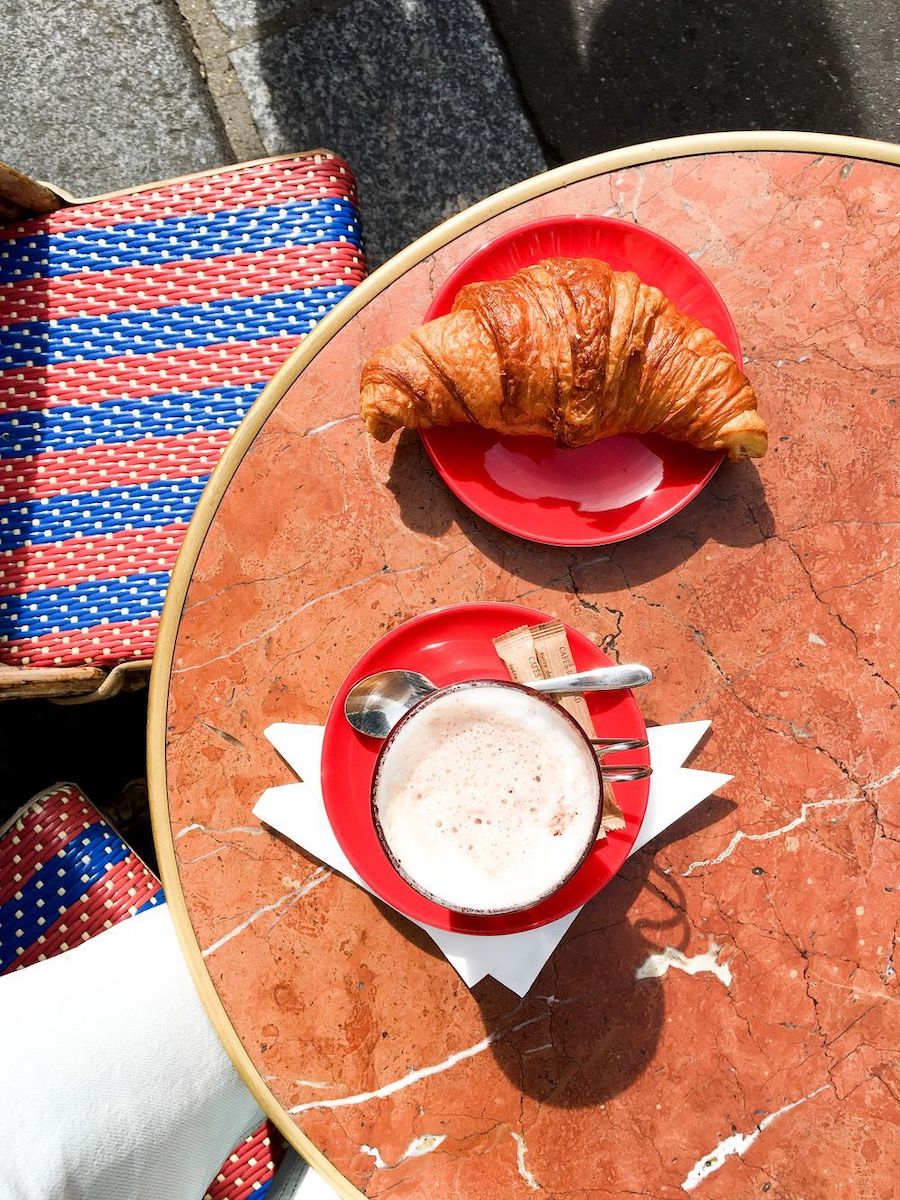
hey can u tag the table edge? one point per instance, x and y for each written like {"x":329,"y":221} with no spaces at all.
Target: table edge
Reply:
{"x":761,"y":141}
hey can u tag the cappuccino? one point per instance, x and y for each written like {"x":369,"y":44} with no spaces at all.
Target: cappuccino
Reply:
{"x":487,"y":797}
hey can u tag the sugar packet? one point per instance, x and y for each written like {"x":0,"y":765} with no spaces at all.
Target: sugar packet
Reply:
{"x":541,"y":652}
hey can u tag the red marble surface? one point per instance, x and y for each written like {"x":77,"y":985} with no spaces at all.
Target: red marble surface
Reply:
{"x":769,"y":605}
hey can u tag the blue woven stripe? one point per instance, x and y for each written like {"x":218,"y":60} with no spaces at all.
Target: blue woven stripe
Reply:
{"x":174,"y":239}
{"x":154,"y":902}
{"x":91,"y":853}
{"x":111,"y":335}
{"x":263,"y":1189}
{"x":78,"y":426}
{"x":81,"y":605}
{"x":107,"y":510}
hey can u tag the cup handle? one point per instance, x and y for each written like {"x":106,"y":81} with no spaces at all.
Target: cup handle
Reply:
{"x":626,"y":774}
{"x":616,"y":745}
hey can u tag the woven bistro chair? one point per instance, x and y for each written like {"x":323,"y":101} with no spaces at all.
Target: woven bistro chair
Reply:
{"x":136,"y":329}
{"x":65,"y":877}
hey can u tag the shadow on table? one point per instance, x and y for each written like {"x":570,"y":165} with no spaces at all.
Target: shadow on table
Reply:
{"x":732,"y":509}
{"x":588,"y":1026}
{"x":602,"y":1023}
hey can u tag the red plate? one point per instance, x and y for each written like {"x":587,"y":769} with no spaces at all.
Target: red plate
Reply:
{"x":450,"y":645}
{"x":615,"y":488}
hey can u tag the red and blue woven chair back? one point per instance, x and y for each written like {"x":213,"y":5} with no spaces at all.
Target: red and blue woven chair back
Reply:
{"x":66,"y":876}
{"x":135,"y":332}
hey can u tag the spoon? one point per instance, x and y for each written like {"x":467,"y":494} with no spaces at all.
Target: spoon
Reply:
{"x":375,"y":704}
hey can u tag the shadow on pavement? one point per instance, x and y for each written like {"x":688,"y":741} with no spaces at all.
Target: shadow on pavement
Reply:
{"x":620,"y":72}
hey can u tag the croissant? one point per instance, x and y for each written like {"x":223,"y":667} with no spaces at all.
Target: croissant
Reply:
{"x":568,"y":349}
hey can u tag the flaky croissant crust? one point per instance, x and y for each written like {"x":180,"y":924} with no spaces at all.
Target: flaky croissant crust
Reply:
{"x":568,"y":349}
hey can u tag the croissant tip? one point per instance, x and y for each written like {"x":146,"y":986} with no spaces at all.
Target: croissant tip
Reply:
{"x":381,"y":431}
{"x":750,"y":445}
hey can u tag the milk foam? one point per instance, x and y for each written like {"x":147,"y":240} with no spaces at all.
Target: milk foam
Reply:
{"x":487,"y":798}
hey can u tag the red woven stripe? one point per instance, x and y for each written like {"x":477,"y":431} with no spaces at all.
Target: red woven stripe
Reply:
{"x":41,"y":846}
{"x":180,"y":457}
{"x":301,"y":178}
{"x":112,"y":899}
{"x":167,"y":284}
{"x":80,"y":558}
{"x":40,"y":834}
{"x":143,"y":374}
{"x":266,"y":1147}
{"x":99,"y":645}
{"x":239,"y":1177}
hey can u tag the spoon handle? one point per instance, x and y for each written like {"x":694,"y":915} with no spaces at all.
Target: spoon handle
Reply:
{"x":602,"y":679}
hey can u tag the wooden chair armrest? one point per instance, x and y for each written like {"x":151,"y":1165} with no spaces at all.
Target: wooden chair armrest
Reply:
{"x":21,"y":196}
{"x":71,"y":685}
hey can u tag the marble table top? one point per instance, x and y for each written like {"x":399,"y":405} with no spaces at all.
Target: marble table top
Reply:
{"x":723,"y":1018}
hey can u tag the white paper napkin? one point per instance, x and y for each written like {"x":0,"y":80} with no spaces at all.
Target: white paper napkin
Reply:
{"x":297,"y":810}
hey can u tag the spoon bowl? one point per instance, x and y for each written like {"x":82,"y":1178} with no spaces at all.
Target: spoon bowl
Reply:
{"x":375,"y":704}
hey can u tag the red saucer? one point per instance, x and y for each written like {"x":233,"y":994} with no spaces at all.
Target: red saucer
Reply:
{"x":615,"y":488}
{"x":449,"y":645}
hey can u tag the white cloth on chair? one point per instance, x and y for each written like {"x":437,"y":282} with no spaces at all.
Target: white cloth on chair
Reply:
{"x":297,"y":1181}
{"x":113,"y":1082}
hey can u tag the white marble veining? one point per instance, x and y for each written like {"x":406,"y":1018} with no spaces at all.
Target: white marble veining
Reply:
{"x":412,"y":1077}
{"x":657,"y":964}
{"x":295,"y":894}
{"x":520,"y":1162}
{"x":424,"y":1144}
{"x":738,"y":1143}
{"x":805,"y":809}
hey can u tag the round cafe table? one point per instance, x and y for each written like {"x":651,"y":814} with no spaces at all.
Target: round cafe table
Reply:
{"x":723,"y":1017}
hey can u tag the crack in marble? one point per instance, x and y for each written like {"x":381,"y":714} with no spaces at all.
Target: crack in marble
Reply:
{"x":837,"y":587}
{"x":295,"y":651}
{"x":223,"y":734}
{"x":808,"y":984}
{"x":639,"y":199}
{"x":840,"y":1033}
{"x":253,"y":830}
{"x":793,"y":733}
{"x":196,"y":605}
{"x":857,"y":991}
{"x":348,"y":587}
{"x":697,"y":634}
{"x":807,"y":807}
{"x":889,"y":972}
{"x":295,"y":894}
{"x":829,"y":521}
{"x":818,"y":596}
{"x":411,"y":1077}
{"x":657,"y":964}
{"x":833,"y":612}
{"x":208,"y":854}
{"x":739,"y":1143}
